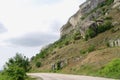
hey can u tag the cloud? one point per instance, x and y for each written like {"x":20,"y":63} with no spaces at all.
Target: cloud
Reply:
{"x":33,"y":39}
{"x":2,"y":28}
{"x":45,"y":1}
{"x":32,"y":24}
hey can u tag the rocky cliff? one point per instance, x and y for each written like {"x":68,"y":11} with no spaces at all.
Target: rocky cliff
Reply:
{"x":76,"y":21}
{"x":74,"y":53}
{"x":116,"y":3}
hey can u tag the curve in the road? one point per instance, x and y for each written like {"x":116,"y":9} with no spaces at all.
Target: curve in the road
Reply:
{"x":54,"y":76}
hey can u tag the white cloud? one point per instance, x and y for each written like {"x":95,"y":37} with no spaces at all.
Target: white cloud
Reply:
{"x":33,"y":39}
{"x":22,"y":17}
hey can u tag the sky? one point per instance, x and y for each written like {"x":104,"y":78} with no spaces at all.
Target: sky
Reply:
{"x":28,"y":25}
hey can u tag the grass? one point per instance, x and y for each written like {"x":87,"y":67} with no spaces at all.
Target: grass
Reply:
{"x":112,"y":69}
{"x":99,"y":55}
{"x":3,"y":77}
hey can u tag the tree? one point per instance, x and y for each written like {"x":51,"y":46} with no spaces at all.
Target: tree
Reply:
{"x":14,"y":72}
{"x":20,"y":61}
{"x":16,"y":68}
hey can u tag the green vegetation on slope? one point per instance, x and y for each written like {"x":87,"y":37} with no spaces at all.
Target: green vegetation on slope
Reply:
{"x":86,"y":57}
{"x":112,"y":69}
{"x":90,"y":33}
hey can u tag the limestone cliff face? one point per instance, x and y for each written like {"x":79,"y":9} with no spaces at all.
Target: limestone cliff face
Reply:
{"x":75,"y":22}
{"x":114,"y":43}
{"x":116,"y":3}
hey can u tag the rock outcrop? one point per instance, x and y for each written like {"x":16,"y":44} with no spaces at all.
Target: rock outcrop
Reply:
{"x":59,"y":65}
{"x":114,"y":43}
{"x":116,"y":3}
{"x":76,"y":22}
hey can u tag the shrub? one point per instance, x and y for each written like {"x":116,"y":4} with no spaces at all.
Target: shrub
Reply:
{"x":14,"y":72}
{"x":115,"y":30}
{"x":66,"y":42}
{"x":20,"y":61}
{"x":109,"y":2}
{"x":16,"y":68}
{"x":43,"y":53}
{"x":91,"y":48}
{"x":77,"y":35}
{"x":106,"y":26}
{"x":90,"y":33}
{"x":38,"y":64}
{"x":82,"y":51}
{"x":58,"y":65}
{"x":108,"y":18}
{"x":112,"y":69}
{"x":32,"y":58}
{"x":83,"y":17}
{"x":107,"y":44}
{"x":86,"y":37}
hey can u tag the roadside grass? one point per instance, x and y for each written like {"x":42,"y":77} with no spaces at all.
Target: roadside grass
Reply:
{"x":3,"y":77}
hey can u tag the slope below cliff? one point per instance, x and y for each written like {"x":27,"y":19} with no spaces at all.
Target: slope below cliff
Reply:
{"x":89,"y":43}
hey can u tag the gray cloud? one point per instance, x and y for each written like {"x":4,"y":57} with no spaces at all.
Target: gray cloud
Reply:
{"x":33,"y":39}
{"x":2,"y":28}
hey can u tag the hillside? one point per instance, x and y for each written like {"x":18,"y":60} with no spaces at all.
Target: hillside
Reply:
{"x":89,"y":43}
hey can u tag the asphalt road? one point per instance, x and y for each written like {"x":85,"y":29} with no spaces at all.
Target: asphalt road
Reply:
{"x":54,"y":76}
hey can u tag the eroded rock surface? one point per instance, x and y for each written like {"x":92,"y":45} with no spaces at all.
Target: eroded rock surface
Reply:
{"x":75,"y":22}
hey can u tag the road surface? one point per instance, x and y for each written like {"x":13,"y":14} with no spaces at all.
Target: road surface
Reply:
{"x":54,"y":76}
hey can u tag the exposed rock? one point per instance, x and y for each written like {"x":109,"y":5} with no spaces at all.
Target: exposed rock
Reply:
{"x":58,"y":65}
{"x":75,"y":21}
{"x":77,"y":59}
{"x":53,"y":67}
{"x":89,"y":5}
{"x":89,"y":24}
{"x":114,"y":43}
{"x":67,"y":28}
{"x":115,"y":23}
{"x":116,"y":3}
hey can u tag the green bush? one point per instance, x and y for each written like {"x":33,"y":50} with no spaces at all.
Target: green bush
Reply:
{"x":38,"y":64}
{"x":82,"y":51}
{"x":43,"y":53}
{"x":109,"y":2}
{"x":59,"y":65}
{"x":76,"y":37}
{"x":112,"y":69}
{"x":91,"y":48}
{"x":14,"y":72}
{"x":66,"y":42}
{"x":20,"y":61}
{"x":90,"y":33}
{"x":16,"y":68}
{"x":108,"y":18}
{"x":107,"y":44}
{"x":106,"y":26}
